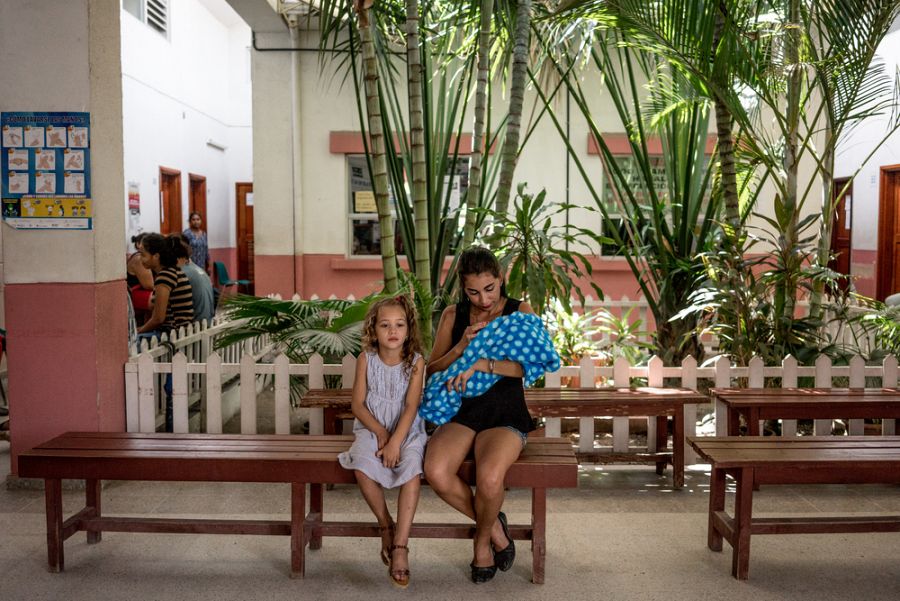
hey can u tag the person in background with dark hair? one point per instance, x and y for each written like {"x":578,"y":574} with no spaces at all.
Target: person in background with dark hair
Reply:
{"x":494,"y":425}
{"x":201,"y":285}
{"x":196,"y":237}
{"x":139,"y":280}
{"x":173,"y":304}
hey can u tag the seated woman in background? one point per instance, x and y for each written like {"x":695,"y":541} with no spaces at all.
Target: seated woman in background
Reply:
{"x":173,"y":304}
{"x":139,"y":280}
{"x":201,"y":285}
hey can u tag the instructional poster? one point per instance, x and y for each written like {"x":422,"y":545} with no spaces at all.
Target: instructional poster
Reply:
{"x":46,"y":170}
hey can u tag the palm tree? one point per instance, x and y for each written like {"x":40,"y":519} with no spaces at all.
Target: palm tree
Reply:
{"x":376,"y":136}
{"x":473,"y":194}
{"x":516,"y":101}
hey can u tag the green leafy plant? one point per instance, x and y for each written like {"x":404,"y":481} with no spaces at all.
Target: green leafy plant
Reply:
{"x":536,"y":255}
{"x":299,"y":329}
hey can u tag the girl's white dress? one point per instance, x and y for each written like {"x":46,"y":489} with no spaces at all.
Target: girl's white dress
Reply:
{"x":385,"y":399}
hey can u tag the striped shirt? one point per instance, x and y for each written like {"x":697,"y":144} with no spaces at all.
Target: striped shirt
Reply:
{"x":180,"y":309}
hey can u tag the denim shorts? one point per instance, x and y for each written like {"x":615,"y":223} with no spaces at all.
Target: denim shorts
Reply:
{"x":521,"y":434}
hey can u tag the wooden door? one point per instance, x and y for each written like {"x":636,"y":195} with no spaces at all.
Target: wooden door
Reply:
{"x":169,"y":201}
{"x":889,"y":233}
{"x":244,"y":197}
{"x":197,"y":196}
{"x":841,"y":229}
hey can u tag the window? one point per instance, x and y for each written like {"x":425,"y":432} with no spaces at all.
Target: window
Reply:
{"x":155,"y":13}
{"x":365,"y":233}
{"x":631,"y":170}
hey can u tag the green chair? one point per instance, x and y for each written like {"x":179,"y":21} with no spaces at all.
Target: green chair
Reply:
{"x":224,"y":280}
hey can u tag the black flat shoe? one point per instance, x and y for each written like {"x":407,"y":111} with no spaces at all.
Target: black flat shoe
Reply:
{"x":505,"y":558}
{"x":482,"y":574}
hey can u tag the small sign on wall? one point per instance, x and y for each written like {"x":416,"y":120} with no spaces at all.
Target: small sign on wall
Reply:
{"x":46,"y":170}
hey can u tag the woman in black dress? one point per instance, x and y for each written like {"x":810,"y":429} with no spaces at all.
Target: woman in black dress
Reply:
{"x":495,"y":424}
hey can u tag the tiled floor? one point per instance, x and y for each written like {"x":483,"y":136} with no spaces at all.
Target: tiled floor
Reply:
{"x":623,"y":534}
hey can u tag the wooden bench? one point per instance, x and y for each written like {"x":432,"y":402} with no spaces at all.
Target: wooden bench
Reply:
{"x":298,"y":460}
{"x":756,"y":404}
{"x":801,"y":460}
{"x":661,"y":403}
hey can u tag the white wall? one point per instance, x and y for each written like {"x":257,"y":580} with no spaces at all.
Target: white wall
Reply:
{"x":854,"y":149}
{"x":181,"y":92}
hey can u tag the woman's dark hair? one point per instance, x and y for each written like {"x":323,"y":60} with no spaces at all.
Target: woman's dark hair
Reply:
{"x":138,"y":238}
{"x":183,"y":248}
{"x":197,"y":213}
{"x":475,"y":260}
{"x":167,"y":247}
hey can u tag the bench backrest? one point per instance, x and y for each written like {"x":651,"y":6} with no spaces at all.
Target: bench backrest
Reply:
{"x":545,"y":462}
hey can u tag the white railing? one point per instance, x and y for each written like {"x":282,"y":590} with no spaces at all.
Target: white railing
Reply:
{"x":193,"y":344}
{"x":143,"y":392}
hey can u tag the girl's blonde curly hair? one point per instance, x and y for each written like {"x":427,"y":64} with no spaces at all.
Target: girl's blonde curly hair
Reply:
{"x":411,"y":345}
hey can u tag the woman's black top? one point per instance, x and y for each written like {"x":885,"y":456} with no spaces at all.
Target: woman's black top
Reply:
{"x":503,"y":405}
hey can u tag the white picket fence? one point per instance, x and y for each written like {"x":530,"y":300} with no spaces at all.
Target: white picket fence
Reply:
{"x":143,"y":376}
{"x":147,"y":366}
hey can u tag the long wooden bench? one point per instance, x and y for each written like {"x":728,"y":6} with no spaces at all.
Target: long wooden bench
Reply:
{"x":660,"y":403}
{"x":298,"y":460}
{"x":802,"y":460}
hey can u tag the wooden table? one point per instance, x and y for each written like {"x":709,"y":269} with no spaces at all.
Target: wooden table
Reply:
{"x":794,"y":460}
{"x":661,"y":403}
{"x":756,"y":404}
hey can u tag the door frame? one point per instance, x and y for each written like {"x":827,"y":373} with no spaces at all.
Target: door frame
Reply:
{"x":886,"y":216}
{"x":238,"y":224}
{"x":167,"y":171}
{"x":192,"y":205}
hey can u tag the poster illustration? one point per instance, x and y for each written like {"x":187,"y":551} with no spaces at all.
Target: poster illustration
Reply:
{"x":45,"y":170}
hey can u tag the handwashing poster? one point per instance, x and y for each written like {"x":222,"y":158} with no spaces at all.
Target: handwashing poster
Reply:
{"x":45,"y":162}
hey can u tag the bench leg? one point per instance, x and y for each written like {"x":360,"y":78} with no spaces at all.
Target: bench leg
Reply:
{"x":316,"y":505}
{"x":662,"y":439}
{"x":92,"y":502}
{"x":678,"y":448}
{"x":538,"y":533}
{"x":743,"y":511}
{"x":53,"y":499}
{"x":298,"y":529}
{"x":733,"y":421}
{"x":716,"y":503}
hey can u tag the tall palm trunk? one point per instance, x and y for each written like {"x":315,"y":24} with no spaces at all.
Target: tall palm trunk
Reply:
{"x":786,"y":297}
{"x":376,"y":136}
{"x":725,"y":141}
{"x":473,"y":194}
{"x":516,"y":101}
{"x":417,"y":144}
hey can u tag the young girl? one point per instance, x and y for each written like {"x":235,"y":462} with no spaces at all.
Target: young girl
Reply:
{"x":390,"y":435}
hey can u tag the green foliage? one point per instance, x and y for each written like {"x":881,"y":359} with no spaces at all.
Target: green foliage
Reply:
{"x":536,"y":255}
{"x":598,"y":332}
{"x":748,"y":318}
{"x":883,"y":322}
{"x":299,"y":329}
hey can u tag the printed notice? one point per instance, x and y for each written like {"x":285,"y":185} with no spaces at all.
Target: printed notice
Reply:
{"x":46,"y":170}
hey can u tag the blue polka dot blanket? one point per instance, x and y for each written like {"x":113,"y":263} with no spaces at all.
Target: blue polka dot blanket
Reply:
{"x":518,"y":337}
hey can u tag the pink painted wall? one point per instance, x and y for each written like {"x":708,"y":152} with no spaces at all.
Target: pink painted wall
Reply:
{"x":327,"y":274}
{"x":227,"y":256}
{"x":65,"y":360}
{"x":863,"y":266}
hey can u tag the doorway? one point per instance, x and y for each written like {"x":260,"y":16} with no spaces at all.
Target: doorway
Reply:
{"x":169,"y":201}
{"x":841,"y":229}
{"x":197,"y":196}
{"x":243,"y":192}
{"x":889,"y":233}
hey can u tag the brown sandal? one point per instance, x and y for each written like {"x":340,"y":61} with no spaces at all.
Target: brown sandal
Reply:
{"x":400,"y":577}
{"x":386,"y":549}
